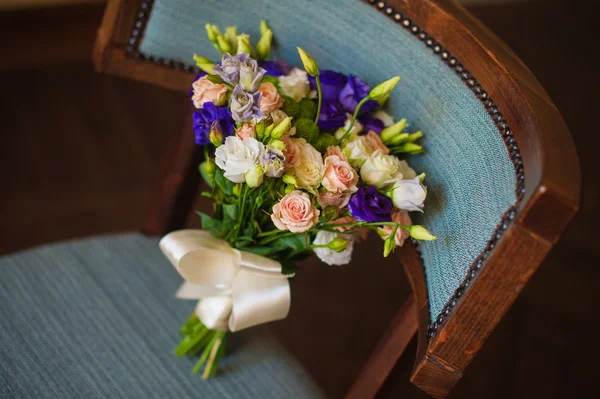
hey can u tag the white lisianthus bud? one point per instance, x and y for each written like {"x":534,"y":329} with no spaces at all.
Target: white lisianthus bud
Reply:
{"x":330,"y":256}
{"x":421,"y":233}
{"x":236,"y":157}
{"x":310,"y":66}
{"x":379,"y":169}
{"x":254,"y":177}
{"x":295,"y":84}
{"x":409,"y":195}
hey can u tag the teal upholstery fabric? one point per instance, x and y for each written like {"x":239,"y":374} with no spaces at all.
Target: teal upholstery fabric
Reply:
{"x":98,"y":318}
{"x":470,"y":177}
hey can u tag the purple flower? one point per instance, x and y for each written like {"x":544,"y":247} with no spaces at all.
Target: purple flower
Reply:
{"x":371,"y":123}
{"x":245,"y":106}
{"x":368,"y":205}
{"x":332,"y":116}
{"x":277,"y":67}
{"x":273,"y":162}
{"x":354,"y":91}
{"x":229,"y":68}
{"x":332,"y":84}
{"x":219,"y":118}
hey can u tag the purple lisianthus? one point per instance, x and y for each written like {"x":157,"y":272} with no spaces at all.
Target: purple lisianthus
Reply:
{"x":277,"y":67}
{"x":332,"y":84}
{"x":353,"y":92}
{"x":229,"y":68}
{"x":273,"y":162}
{"x":332,"y":117}
{"x":219,"y":118}
{"x":245,"y":106}
{"x":370,"y":123}
{"x":368,"y":205}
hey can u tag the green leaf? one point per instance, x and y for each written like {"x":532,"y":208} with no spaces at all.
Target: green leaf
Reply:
{"x":231,"y":211}
{"x":288,"y":266}
{"x":224,"y":184}
{"x":204,"y":175}
{"x":212,"y":225}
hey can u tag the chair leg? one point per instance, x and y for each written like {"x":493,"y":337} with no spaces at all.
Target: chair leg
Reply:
{"x":387,"y":352}
{"x":176,"y":187}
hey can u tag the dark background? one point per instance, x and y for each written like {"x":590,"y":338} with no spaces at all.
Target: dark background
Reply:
{"x":79,"y":153}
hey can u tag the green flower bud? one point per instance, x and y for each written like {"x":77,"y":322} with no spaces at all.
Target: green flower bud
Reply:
{"x":201,"y":60}
{"x":263,"y":47}
{"x":237,"y":188}
{"x":216,"y":79}
{"x":278,"y":144}
{"x":289,"y":179}
{"x":263,"y":27}
{"x":243,"y":44}
{"x":223,"y":44}
{"x":213,"y":32}
{"x":260,"y":130}
{"x":255,"y":176}
{"x":414,"y":137}
{"x":383,"y":89}
{"x":310,"y":66}
{"x":288,"y":189}
{"x":410,"y":148}
{"x":389,"y":245}
{"x":231,"y":37}
{"x":268,"y":131}
{"x":392,"y":131}
{"x":422,"y":177}
{"x":338,"y":244}
{"x":420,"y":233}
{"x":281,"y":128}
{"x":399,"y":139}
{"x":210,"y":167}
{"x":215,"y":137}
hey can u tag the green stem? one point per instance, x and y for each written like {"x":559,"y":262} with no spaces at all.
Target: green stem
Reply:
{"x":320,"y":98}
{"x":354,"y":116}
{"x":269,"y":233}
{"x":214,"y":350}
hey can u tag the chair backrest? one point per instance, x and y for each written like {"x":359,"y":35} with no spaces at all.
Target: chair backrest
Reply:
{"x":503,"y":173}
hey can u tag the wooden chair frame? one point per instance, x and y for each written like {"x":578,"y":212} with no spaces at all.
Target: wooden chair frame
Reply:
{"x":546,"y":162}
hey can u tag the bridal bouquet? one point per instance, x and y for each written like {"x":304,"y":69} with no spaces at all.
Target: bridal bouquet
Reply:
{"x":298,"y":162}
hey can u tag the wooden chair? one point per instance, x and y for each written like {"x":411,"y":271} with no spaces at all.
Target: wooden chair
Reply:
{"x":452,"y":318}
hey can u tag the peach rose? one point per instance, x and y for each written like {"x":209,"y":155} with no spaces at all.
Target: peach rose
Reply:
{"x":291,"y":153}
{"x":401,"y":217}
{"x":271,"y":100}
{"x":360,"y":233}
{"x":338,"y":200}
{"x":246,"y":130}
{"x":375,"y":142}
{"x":295,"y":213}
{"x":339,"y":176}
{"x":337,"y":151}
{"x":206,"y":91}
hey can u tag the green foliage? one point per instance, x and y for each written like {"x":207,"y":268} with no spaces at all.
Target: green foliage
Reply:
{"x":223,"y":183}
{"x":290,"y":107}
{"x":271,"y":79}
{"x":307,"y":129}
{"x":205,"y":176}
{"x":213,"y":225}
{"x":308,"y":109}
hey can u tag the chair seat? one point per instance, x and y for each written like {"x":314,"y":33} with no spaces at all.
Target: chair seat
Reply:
{"x":98,"y":318}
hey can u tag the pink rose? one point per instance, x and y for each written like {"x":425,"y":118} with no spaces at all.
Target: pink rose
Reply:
{"x":207,"y":91}
{"x":338,"y":200}
{"x":246,"y":130}
{"x":271,"y":100}
{"x":339,"y":176}
{"x":291,"y":153}
{"x":401,"y":217}
{"x":337,"y":151}
{"x":375,"y":142}
{"x":360,"y":233}
{"x":295,"y":212}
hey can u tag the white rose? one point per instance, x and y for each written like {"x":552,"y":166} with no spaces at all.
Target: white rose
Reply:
{"x":357,"y":150}
{"x":295,"y":84}
{"x":356,"y":128}
{"x":237,"y":156}
{"x":330,"y":256}
{"x":409,"y":194}
{"x":379,"y":169}
{"x":383,"y":116}
{"x":310,"y":167}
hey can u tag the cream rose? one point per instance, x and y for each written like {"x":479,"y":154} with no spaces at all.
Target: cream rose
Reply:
{"x":374,"y":141}
{"x":309,"y":169}
{"x":295,"y":84}
{"x":401,"y":217}
{"x":295,"y":212}
{"x":206,"y":91}
{"x":379,"y":170}
{"x":246,"y":130}
{"x":338,"y":200}
{"x":271,"y":100}
{"x":236,"y":157}
{"x":339,"y":176}
{"x":357,"y":151}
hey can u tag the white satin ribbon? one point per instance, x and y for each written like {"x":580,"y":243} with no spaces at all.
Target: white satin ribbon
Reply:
{"x":237,"y":289}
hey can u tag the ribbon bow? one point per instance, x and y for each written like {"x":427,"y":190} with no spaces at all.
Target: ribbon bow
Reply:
{"x":236,"y":289}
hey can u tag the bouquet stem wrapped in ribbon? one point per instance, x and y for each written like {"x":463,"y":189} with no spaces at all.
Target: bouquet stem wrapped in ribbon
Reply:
{"x":298,"y":162}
